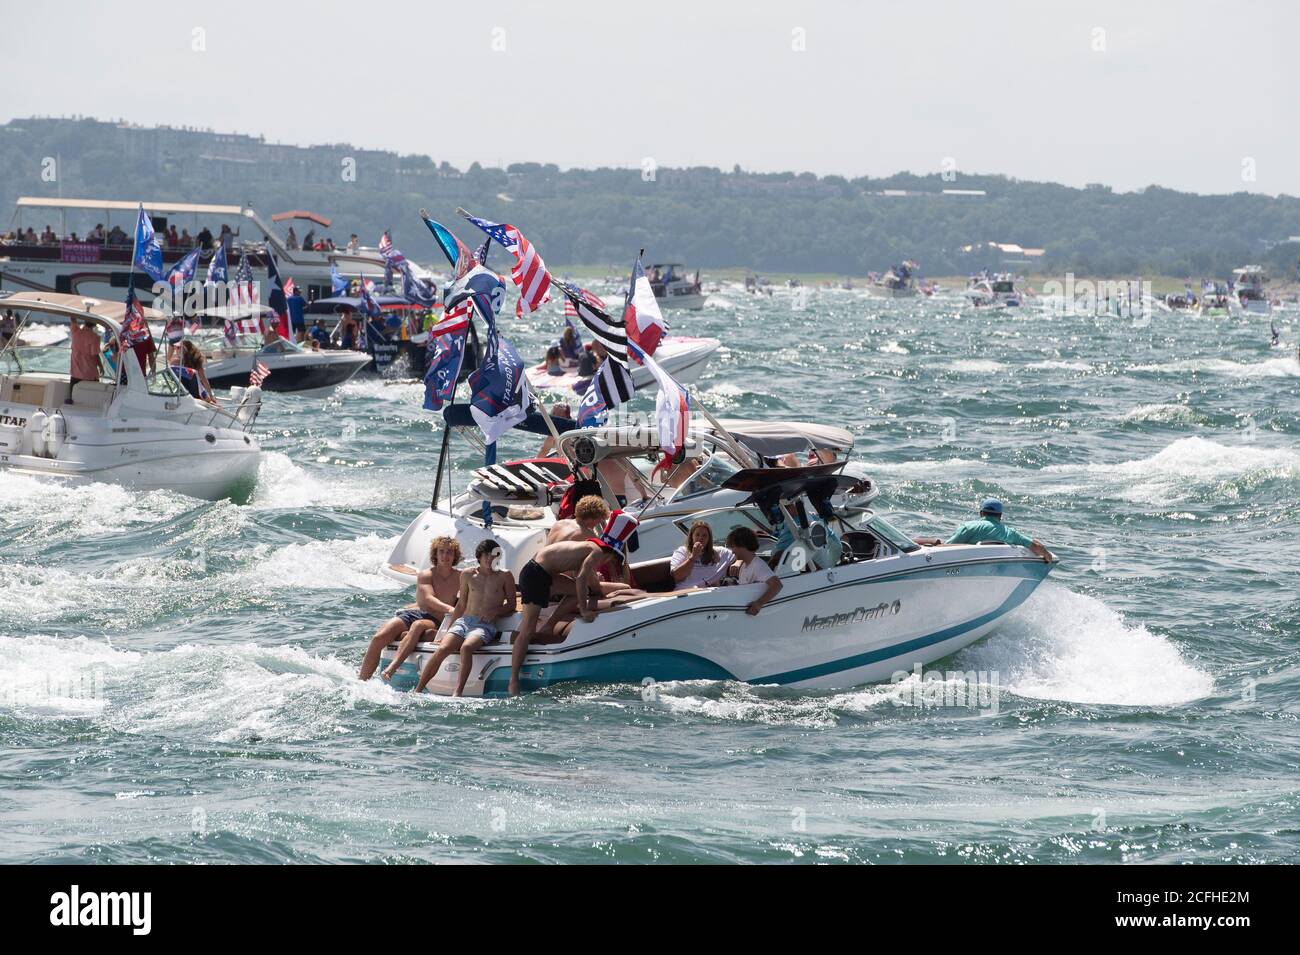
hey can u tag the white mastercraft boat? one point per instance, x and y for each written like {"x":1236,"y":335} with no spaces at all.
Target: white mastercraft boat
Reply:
{"x":681,"y":356}
{"x":993,"y":291}
{"x":128,"y":427}
{"x":860,"y":600}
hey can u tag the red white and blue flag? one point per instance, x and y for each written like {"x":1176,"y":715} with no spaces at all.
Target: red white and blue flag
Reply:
{"x":529,"y":271}
{"x":245,"y":287}
{"x":672,"y":407}
{"x":277,"y":301}
{"x":134,"y":327}
{"x":183,"y":271}
{"x":259,"y":374}
{"x":609,"y":331}
{"x":641,"y":316}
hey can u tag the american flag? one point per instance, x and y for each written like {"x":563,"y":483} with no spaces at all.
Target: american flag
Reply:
{"x":244,"y":282}
{"x":529,"y":271}
{"x":609,"y":331}
{"x":289,"y":287}
{"x":134,"y":327}
{"x":259,"y":375}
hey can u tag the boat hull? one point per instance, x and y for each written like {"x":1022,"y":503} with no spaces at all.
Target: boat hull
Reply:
{"x":682,"y":357}
{"x":854,"y":624}
{"x":306,"y":371}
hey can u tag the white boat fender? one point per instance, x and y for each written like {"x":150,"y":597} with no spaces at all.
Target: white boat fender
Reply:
{"x":249,"y":405}
{"x":36,"y":431}
{"x":56,"y":433}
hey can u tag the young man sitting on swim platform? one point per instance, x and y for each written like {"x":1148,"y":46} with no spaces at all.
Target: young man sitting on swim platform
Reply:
{"x":486,"y":595}
{"x":435,"y":594}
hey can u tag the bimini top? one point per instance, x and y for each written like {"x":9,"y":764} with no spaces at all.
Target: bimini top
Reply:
{"x":117,"y":205}
{"x":772,"y":438}
{"x":74,"y":306}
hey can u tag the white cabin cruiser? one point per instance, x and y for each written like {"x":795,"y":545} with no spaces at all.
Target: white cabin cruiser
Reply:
{"x":524,"y":496}
{"x":860,"y":601}
{"x":993,"y":291}
{"x":682,"y":356}
{"x":674,"y":288}
{"x":127,"y":427}
{"x":1250,"y":297}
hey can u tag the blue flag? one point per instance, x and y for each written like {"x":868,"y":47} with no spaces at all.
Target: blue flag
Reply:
{"x":416,"y":291}
{"x":217,"y":267}
{"x":338,"y":284}
{"x":499,"y":398}
{"x":485,"y":289}
{"x":148,"y":257}
{"x":448,"y":352}
{"x":460,"y":257}
{"x":183,"y":271}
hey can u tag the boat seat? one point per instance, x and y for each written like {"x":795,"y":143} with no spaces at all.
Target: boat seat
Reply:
{"x":93,"y":394}
{"x":860,"y":545}
{"x":40,"y":390}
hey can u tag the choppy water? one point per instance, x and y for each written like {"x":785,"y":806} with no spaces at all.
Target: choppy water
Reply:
{"x":177,"y":678}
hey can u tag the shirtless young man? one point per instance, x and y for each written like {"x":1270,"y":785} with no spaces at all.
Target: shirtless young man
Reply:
{"x":435,"y":594}
{"x":583,"y":559}
{"x":486,"y":595}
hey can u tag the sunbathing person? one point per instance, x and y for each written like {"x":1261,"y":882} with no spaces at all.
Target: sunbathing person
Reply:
{"x":486,"y":595}
{"x":583,"y":559}
{"x":435,"y":595}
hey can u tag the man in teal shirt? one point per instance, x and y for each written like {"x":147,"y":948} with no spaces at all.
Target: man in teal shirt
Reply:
{"x":989,"y":527}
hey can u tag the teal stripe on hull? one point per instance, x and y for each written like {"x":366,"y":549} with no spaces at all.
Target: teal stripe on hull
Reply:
{"x":621,"y":666}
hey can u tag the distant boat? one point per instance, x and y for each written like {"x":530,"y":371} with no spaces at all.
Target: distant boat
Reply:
{"x":1249,"y":295}
{"x":674,"y":289}
{"x":993,"y":291}
{"x":898,"y":282}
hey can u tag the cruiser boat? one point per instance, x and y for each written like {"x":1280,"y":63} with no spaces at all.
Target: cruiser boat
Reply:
{"x":102,"y":269}
{"x":683,"y":357}
{"x":993,"y":291}
{"x":860,"y":601}
{"x":674,"y":289}
{"x":898,"y":282}
{"x":229,"y":361}
{"x":1249,"y":295}
{"x":140,"y":430}
{"x":523,"y":496}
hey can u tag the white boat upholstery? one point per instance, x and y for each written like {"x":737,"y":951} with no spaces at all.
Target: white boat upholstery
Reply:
{"x":42,"y":391}
{"x":92,"y":394}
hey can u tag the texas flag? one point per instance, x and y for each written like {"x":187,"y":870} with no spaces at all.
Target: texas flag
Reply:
{"x":672,"y":407}
{"x":641,"y":315}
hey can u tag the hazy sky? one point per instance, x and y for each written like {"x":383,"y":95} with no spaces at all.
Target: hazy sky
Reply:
{"x":1180,"y":94}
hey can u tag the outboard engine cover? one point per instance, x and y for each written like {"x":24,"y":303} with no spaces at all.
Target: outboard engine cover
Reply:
{"x":56,"y":433}
{"x":36,"y":432}
{"x":249,"y":405}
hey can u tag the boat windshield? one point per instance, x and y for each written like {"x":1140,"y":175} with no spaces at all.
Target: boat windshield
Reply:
{"x":889,"y":533}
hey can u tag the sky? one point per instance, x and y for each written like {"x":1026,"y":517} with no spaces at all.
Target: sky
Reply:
{"x":1196,"y":95}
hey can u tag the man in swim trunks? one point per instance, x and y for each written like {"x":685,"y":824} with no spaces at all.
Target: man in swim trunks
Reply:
{"x":435,"y":594}
{"x":581,"y":558}
{"x":486,"y":595}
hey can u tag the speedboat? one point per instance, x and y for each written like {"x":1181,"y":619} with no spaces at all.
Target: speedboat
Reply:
{"x":1249,"y":295}
{"x":128,"y":427}
{"x":993,"y":291}
{"x":860,"y":600}
{"x":673,"y":289}
{"x":229,"y":357}
{"x":516,"y":502}
{"x":898,"y":282}
{"x":681,"y":356}
{"x":1215,"y":300}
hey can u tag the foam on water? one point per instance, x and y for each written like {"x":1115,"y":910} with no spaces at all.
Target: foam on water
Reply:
{"x":1283,"y":367}
{"x":284,"y":485}
{"x":976,"y":366}
{"x":56,"y":510}
{"x":322,"y":565}
{"x":1061,"y":645}
{"x":1186,"y":466}
{"x":1161,"y":414}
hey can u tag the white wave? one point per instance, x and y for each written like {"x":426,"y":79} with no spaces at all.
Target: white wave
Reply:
{"x":893,"y":348}
{"x":1161,"y":414}
{"x":59,"y":510}
{"x":223,"y":694}
{"x":1061,"y":645}
{"x":1186,"y":465}
{"x":284,"y":485}
{"x":320,"y":565}
{"x":404,"y":393}
{"x":739,"y":702}
{"x":1060,"y":365}
{"x":976,"y":366}
{"x":1283,"y":367}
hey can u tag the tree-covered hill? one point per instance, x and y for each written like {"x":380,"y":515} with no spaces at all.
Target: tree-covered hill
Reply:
{"x":703,"y":216}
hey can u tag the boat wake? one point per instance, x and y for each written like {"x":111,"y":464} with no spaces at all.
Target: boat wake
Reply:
{"x":1187,"y":468}
{"x":221,"y":694}
{"x":1283,"y":367}
{"x":1062,"y":645}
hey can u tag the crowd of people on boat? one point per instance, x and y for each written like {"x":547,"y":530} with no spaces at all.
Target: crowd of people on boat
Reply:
{"x":168,"y":237}
{"x":580,"y":571}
